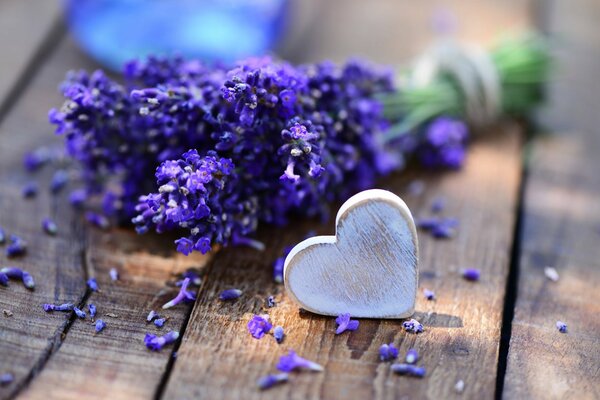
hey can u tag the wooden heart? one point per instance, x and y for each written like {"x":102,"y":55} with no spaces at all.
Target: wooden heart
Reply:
{"x":368,"y":269}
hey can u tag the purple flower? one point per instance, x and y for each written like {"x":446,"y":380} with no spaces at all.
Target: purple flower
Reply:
{"x":29,"y":190}
{"x":100,"y":325}
{"x":440,"y":228}
{"x":79,"y":313}
{"x":78,"y":197}
{"x":92,"y":309}
{"x":35,"y":159}
{"x":471,"y":274}
{"x":59,"y":180}
{"x":6,"y":378}
{"x":183,"y":295}
{"x":62,"y":307}
{"x":230,"y":294}
{"x":3,"y":279}
{"x":92,"y":284}
{"x":293,"y":361}
{"x":156,"y":343}
{"x":278,"y":334}
{"x":279,"y":263}
{"x":561,"y":326}
{"x":17,"y":273}
{"x":114,"y":274}
{"x":411,"y":356}
{"x":412,"y":325}
{"x":16,"y":247}
{"x":151,"y":315}
{"x":429,"y":294}
{"x":407,"y":369}
{"x":345,"y":323}
{"x":388,"y":352}
{"x":159,"y":322}
{"x":444,"y":144}
{"x":270,"y":301}
{"x":49,"y":226}
{"x":259,"y":325}
{"x":268,"y":381}
{"x":2,"y":236}
{"x":98,"y":220}
{"x":195,"y":279}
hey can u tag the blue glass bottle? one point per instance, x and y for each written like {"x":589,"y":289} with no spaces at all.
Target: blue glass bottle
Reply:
{"x":115,"y":31}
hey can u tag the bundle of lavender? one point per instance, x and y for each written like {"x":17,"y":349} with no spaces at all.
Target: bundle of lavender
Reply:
{"x":212,"y":150}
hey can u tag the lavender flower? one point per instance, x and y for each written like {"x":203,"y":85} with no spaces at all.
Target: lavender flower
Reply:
{"x":270,"y":302}
{"x":114,"y":274}
{"x":3,"y":279}
{"x":259,"y":325}
{"x":183,"y":295}
{"x":293,"y":361}
{"x":37,"y":158}
{"x":444,"y":144}
{"x":471,"y":274}
{"x":79,"y":313}
{"x":92,"y":284}
{"x":268,"y":381}
{"x":58,"y":181}
{"x":63,"y":307}
{"x":92,"y":309}
{"x":29,"y":190}
{"x":156,"y":343}
{"x":6,"y":378}
{"x":429,"y":294}
{"x":345,"y":323}
{"x":412,"y":325}
{"x":279,"y":263}
{"x":561,"y":326}
{"x":440,"y":228}
{"x":551,"y":273}
{"x":388,"y":352}
{"x":195,"y":279}
{"x":100,"y":325}
{"x":16,"y":247}
{"x":2,"y":236}
{"x":411,"y":356}
{"x":159,"y":322}
{"x":17,"y":273}
{"x":230,"y":294}
{"x":98,"y":220}
{"x":407,"y":369}
{"x":49,"y":226}
{"x":278,"y":334}
{"x":151,"y":315}
{"x":78,"y":197}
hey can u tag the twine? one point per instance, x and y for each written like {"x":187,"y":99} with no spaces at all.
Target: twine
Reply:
{"x":474,"y":72}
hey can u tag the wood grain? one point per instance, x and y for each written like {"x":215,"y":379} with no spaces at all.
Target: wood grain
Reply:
{"x":562,"y":227}
{"x":219,"y":359}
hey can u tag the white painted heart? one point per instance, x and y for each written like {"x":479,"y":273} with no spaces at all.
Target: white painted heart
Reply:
{"x":368,"y":269}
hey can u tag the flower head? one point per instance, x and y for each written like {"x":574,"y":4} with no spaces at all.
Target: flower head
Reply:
{"x":59,"y":180}
{"x":471,"y":274}
{"x":270,"y":302}
{"x":6,"y":378}
{"x":259,"y":325}
{"x":561,"y":326}
{"x":408,"y":369}
{"x":3,"y":279}
{"x":159,"y":322}
{"x":412,"y":325}
{"x":16,"y":273}
{"x":345,"y":323}
{"x":49,"y":226}
{"x":100,"y":325}
{"x":411,"y":356}
{"x":156,"y":343}
{"x":16,"y":247}
{"x":92,"y":309}
{"x":151,"y":315}
{"x":92,"y":284}
{"x":230,"y":294}
{"x":278,"y":334}
{"x":183,"y":295}
{"x":293,"y":361}
{"x":29,"y":190}
{"x":429,"y":294}
{"x":268,"y":381}
{"x":388,"y":352}
{"x":444,"y":144}
{"x":79,"y":313}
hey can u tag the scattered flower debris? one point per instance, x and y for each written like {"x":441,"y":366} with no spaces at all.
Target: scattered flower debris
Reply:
{"x":345,"y":323}
{"x":183,"y":295}
{"x":16,"y":247}
{"x":268,"y":381}
{"x":259,"y":325}
{"x":63,"y":307}
{"x":388,"y":352}
{"x":411,"y":356}
{"x":7,"y":313}
{"x":471,"y":274}
{"x":92,"y":309}
{"x":156,"y":343}
{"x":551,"y":273}
{"x":438,"y":204}
{"x":92,"y":284}
{"x":49,"y":226}
{"x":29,"y":190}
{"x":230,"y":294}
{"x":561,"y":326}
{"x":59,"y":180}
{"x":159,"y":322}
{"x":98,"y":220}
{"x":79,"y":313}
{"x":278,"y":334}
{"x":3,"y":279}
{"x":114,"y":274}
{"x":293,"y":361}
{"x":6,"y":379}
{"x":35,"y":159}
{"x":429,"y":294}
{"x":151,"y":315}
{"x":100,"y":325}
{"x":460,"y":386}
{"x":408,"y":369}
{"x":77,"y":198}
{"x":2,"y":236}
{"x":16,"y":273}
{"x":270,"y":302}
{"x":412,"y":325}
{"x":194,"y":278}
{"x":439,"y":228}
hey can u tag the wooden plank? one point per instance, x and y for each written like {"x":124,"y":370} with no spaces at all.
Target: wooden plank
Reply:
{"x":219,"y":359}
{"x":561,"y":227}
{"x":52,"y":355}
{"x":27,"y":30}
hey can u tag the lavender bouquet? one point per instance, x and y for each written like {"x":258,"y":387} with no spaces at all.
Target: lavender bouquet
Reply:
{"x":212,"y":151}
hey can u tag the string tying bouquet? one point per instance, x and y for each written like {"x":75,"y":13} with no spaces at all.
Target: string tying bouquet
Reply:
{"x":212,"y":151}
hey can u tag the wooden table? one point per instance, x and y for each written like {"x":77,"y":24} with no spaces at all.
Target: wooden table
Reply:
{"x":522,"y":205}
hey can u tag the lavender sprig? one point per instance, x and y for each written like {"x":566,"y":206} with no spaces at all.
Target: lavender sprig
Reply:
{"x":183,"y":295}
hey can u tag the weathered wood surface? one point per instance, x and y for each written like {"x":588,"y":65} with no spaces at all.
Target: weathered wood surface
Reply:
{"x":219,"y":359}
{"x":28,"y":30}
{"x":562,"y":228}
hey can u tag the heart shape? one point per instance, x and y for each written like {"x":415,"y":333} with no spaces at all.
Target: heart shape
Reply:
{"x":368,"y":269}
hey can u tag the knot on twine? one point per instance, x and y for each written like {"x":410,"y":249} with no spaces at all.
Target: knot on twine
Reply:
{"x":474,"y":72}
